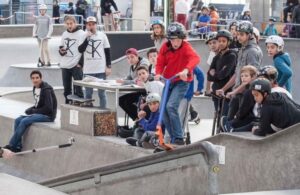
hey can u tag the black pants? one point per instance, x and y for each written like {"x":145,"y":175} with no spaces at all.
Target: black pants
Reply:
{"x":286,"y":10}
{"x":67,"y":75}
{"x":218,"y":104}
{"x":129,"y":103}
{"x":237,"y":123}
{"x":297,"y":30}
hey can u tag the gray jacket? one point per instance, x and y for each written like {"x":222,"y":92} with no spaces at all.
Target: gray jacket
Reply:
{"x":296,"y":15}
{"x":250,"y":54}
{"x":132,"y":76}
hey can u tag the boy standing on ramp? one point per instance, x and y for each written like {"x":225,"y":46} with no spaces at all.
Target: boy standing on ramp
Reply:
{"x":176,"y":57}
{"x":42,"y":30}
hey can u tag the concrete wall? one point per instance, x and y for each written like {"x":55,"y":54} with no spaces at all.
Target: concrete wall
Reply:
{"x":141,"y":11}
{"x":251,"y":164}
{"x":8,"y":31}
{"x":86,"y":153}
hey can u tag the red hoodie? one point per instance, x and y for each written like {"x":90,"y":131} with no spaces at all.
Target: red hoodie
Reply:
{"x":171,"y":62}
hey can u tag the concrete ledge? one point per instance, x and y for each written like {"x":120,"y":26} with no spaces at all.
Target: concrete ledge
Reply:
{"x":88,"y":121}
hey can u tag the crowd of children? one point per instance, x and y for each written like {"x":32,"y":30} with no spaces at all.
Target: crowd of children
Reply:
{"x":235,"y":62}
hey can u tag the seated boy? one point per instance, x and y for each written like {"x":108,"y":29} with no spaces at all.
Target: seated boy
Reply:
{"x":153,"y":101}
{"x":146,"y":80}
{"x":129,"y":101}
{"x":276,"y":109}
{"x":152,"y":57}
{"x":244,"y":114}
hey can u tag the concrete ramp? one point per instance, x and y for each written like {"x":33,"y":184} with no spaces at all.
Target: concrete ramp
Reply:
{"x":86,"y":153}
{"x":10,"y":185}
{"x":251,"y":164}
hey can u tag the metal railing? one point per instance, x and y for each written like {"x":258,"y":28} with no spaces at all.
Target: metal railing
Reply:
{"x":93,"y":176}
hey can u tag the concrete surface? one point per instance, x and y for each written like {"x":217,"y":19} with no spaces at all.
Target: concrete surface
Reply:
{"x":281,"y":192}
{"x":262,"y":164}
{"x":87,"y":152}
{"x":10,"y":185}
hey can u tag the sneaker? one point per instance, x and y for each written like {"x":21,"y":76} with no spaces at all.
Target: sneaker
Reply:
{"x":158,"y":149}
{"x":148,"y":145}
{"x":225,"y":125}
{"x":179,"y":142}
{"x":15,"y":150}
{"x":194,"y":116}
{"x":131,"y":141}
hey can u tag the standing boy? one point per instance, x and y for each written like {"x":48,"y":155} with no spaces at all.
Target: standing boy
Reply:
{"x":282,"y":61}
{"x":176,"y":57}
{"x":70,"y":63}
{"x":42,"y":30}
{"x":96,"y":57}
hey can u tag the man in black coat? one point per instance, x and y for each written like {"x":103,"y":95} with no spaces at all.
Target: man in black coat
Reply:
{"x":44,"y":110}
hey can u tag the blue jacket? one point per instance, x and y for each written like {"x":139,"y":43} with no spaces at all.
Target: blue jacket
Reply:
{"x":270,"y":30}
{"x":200,"y":78}
{"x":204,"y":19}
{"x":150,"y":125}
{"x":282,"y":63}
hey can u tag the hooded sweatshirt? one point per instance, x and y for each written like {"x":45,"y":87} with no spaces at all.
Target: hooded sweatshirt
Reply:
{"x":171,"y":62}
{"x":282,"y":63}
{"x":224,"y":66}
{"x":71,"y":41}
{"x":278,"y":112}
{"x":46,"y":103}
{"x":249,"y":54}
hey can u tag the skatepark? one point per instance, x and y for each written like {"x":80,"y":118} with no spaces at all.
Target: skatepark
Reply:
{"x":98,"y":165}
{"x":84,"y":155}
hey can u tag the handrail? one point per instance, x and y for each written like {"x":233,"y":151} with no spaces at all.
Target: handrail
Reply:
{"x":206,"y":148}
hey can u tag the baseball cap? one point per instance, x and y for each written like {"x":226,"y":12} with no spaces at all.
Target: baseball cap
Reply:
{"x":132,"y":51}
{"x":91,"y":19}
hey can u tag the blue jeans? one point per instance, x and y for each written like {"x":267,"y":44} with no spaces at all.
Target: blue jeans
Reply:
{"x":171,"y":117}
{"x":101,"y":93}
{"x":21,"y":124}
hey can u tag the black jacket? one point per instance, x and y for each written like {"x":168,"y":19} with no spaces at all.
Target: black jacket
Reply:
{"x":224,"y":66}
{"x":279,"y":110}
{"x":47,"y":104}
{"x":105,"y":6}
{"x":246,"y":105}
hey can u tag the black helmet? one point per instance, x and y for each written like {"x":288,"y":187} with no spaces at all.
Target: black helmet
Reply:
{"x":245,"y":26}
{"x":176,"y":30}
{"x":269,"y":72}
{"x":261,"y":85}
{"x":224,"y":33}
{"x":211,"y":36}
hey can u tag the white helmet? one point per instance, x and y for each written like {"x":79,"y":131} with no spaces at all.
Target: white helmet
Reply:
{"x":43,"y":7}
{"x":153,"y":97}
{"x":277,"y":40}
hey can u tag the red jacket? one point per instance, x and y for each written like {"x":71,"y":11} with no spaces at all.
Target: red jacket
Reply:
{"x":170,"y":63}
